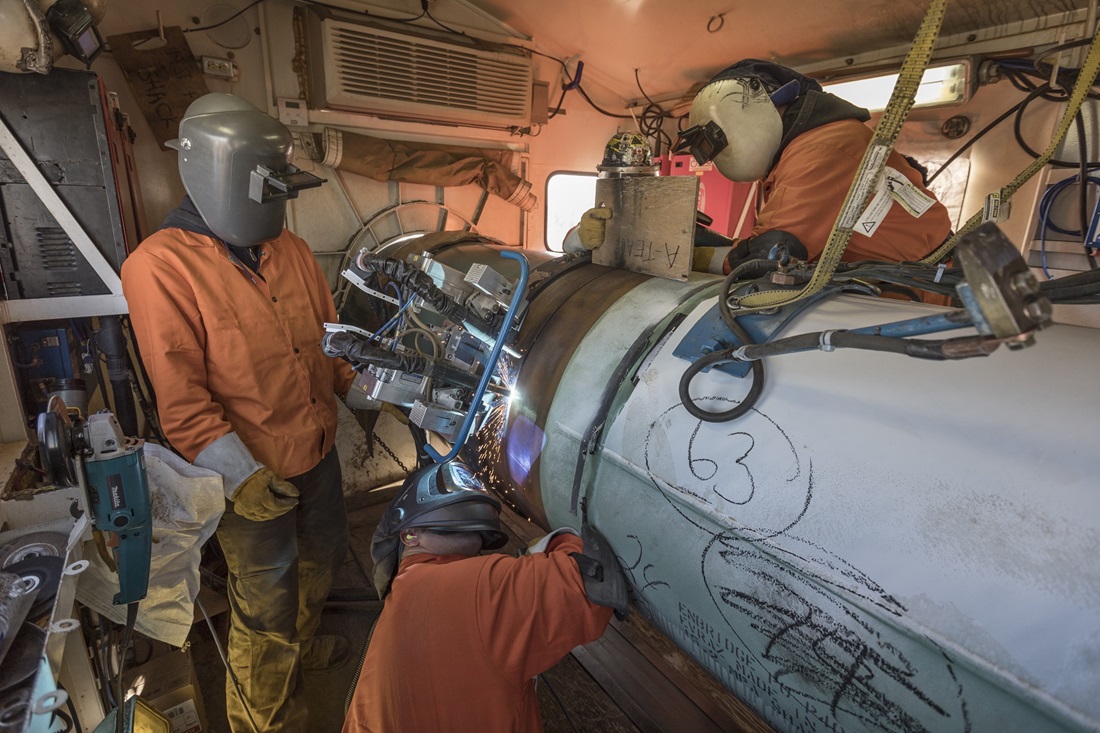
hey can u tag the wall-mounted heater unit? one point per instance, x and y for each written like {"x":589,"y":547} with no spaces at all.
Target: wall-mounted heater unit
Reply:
{"x":411,"y":73}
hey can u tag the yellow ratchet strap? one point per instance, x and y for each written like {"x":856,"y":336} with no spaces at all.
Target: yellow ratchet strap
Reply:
{"x":870,"y":169}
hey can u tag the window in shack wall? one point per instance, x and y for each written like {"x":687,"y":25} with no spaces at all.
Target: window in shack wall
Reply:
{"x":568,"y":195}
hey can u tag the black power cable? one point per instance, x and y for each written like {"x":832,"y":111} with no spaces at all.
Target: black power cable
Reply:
{"x":223,"y":22}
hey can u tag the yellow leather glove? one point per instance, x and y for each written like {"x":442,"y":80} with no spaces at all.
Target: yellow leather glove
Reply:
{"x":263,"y":496}
{"x":592,"y":226}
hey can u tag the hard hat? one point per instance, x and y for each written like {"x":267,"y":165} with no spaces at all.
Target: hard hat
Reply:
{"x":735,"y":121}
{"x":34,"y":35}
{"x":445,"y":497}
{"x":234,"y":161}
{"x":627,"y":154}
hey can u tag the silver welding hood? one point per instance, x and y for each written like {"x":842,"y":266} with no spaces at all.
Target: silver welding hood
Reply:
{"x":223,"y":142}
{"x":443,"y":497}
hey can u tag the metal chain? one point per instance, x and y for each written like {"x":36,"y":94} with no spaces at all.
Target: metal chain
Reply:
{"x":390,"y":453}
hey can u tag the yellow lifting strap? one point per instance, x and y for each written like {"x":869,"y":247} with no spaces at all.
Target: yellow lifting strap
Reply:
{"x":1086,"y":77}
{"x":870,"y":169}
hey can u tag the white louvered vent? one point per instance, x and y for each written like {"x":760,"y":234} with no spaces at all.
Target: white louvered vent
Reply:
{"x":361,"y":68}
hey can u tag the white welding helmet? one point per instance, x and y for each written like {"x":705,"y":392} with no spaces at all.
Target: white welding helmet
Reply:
{"x":744,"y":112}
{"x":234,"y":161}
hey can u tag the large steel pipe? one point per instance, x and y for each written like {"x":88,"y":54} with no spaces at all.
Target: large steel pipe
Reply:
{"x":882,"y":543}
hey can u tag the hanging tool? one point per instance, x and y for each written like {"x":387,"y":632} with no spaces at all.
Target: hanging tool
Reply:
{"x":95,"y":455}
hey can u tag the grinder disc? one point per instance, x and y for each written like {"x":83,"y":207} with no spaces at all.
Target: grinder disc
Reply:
{"x":44,"y":575}
{"x":35,"y":544}
{"x":23,"y":657}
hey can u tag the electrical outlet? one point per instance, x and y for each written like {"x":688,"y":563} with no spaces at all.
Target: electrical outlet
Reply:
{"x":214,"y":66}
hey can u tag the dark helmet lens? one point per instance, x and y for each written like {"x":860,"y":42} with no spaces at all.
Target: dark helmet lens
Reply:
{"x":704,"y":142}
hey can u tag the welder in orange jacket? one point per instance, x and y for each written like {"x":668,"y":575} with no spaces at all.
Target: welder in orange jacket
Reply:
{"x":462,"y":636}
{"x":228,"y":311}
{"x":760,"y":121}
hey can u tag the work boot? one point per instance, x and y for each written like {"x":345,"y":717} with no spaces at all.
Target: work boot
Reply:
{"x":325,"y":652}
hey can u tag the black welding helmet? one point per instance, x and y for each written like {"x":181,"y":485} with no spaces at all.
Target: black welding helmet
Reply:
{"x":444,"y":497}
{"x":235,"y":164}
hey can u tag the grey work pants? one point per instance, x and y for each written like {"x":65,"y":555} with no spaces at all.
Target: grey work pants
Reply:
{"x":280,"y":574}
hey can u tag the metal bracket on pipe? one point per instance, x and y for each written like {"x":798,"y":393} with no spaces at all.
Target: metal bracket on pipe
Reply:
{"x":53,"y":203}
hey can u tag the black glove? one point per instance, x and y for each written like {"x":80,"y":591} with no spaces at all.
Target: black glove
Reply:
{"x":760,"y":247}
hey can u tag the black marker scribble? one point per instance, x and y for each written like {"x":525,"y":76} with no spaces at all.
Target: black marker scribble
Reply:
{"x":789,"y":637}
{"x":645,"y":570}
{"x":813,"y":641}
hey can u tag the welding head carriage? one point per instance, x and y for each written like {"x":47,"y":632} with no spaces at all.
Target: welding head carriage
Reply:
{"x":234,"y":161}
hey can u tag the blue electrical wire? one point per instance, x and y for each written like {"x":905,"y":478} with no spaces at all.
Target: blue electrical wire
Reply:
{"x":392,"y":322}
{"x":1046,"y":203}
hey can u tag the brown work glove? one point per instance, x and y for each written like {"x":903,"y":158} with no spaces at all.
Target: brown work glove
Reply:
{"x":263,"y":496}
{"x":592,"y":226}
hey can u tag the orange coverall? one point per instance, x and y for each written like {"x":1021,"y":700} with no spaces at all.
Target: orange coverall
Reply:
{"x":232,"y":351}
{"x":804,"y":192}
{"x":461,"y":639}
{"x":227,"y":350}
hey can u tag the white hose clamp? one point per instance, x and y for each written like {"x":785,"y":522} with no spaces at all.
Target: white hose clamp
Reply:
{"x":825,"y":341}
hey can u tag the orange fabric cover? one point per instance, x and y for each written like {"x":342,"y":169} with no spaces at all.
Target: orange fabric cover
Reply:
{"x":460,"y":640}
{"x":229,"y":351}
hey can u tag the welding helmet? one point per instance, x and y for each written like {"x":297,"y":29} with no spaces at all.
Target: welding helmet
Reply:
{"x":627,"y":154}
{"x":444,"y":497}
{"x":735,"y":121}
{"x":35,"y":34}
{"x":234,"y":161}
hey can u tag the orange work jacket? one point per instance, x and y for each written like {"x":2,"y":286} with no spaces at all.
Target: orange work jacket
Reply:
{"x":461,"y":639}
{"x":804,"y":192}
{"x":227,"y":350}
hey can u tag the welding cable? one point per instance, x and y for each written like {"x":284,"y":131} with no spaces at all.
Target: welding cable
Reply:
{"x":933,"y":350}
{"x":561,"y":705}
{"x":750,"y":268}
{"x":422,"y":284}
{"x":981,"y":133}
{"x":651,"y":120}
{"x":228,"y":669}
{"x":1080,"y":288}
{"x":360,"y":352}
{"x":720,"y":357}
{"x":1017,"y":131}
{"x":223,"y":22}
{"x":1046,"y":203}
